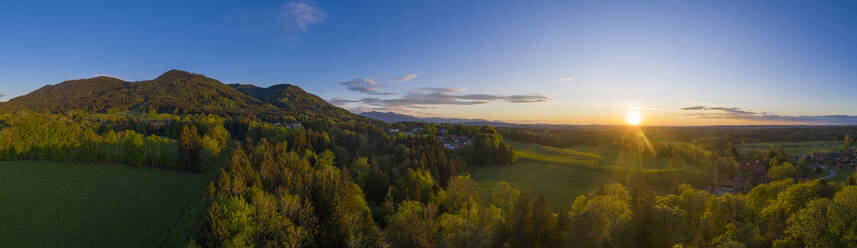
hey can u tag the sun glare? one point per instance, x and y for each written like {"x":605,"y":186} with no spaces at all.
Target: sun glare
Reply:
{"x":633,"y":118}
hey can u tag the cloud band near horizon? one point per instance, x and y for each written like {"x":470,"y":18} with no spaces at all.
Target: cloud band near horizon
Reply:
{"x":438,"y":96}
{"x":741,"y":114}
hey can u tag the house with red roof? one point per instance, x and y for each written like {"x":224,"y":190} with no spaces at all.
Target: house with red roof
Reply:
{"x":756,"y":168}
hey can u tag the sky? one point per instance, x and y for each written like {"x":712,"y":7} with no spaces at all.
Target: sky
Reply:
{"x":562,"y":62}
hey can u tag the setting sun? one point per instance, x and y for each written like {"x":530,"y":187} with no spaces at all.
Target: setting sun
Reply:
{"x":633,"y":118}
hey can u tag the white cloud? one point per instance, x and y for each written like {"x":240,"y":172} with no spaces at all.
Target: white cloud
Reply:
{"x":301,"y":15}
{"x":339,"y":101}
{"x":565,"y":79}
{"x":364,"y":85}
{"x":735,"y":113}
{"x":407,"y":77}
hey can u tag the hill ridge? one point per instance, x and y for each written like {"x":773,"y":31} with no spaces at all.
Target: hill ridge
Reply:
{"x":176,"y":91}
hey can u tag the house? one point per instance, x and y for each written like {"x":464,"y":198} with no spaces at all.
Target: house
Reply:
{"x":733,"y":186}
{"x":814,"y":165}
{"x":844,"y":160}
{"x":294,"y":125}
{"x":453,"y":142}
{"x":756,"y":168}
{"x":834,"y":159}
{"x":154,"y":124}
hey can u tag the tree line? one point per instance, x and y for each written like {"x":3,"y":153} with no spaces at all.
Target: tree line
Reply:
{"x":61,"y":137}
{"x":708,"y":136}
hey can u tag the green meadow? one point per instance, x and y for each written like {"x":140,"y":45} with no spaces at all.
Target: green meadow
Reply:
{"x":561,"y":174}
{"x":78,"y":204}
{"x":792,"y":148}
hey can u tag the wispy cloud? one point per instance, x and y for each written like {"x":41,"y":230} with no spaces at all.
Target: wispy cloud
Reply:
{"x":407,"y":77}
{"x":724,"y":109}
{"x":694,"y":108}
{"x":339,"y":101}
{"x":422,"y":97}
{"x":527,"y":98}
{"x":364,"y":85}
{"x":565,"y":79}
{"x":2,"y":94}
{"x":741,"y":114}
{"x":301,"y":15}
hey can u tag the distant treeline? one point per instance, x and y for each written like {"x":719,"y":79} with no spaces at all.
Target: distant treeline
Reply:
{"x":69,"y":137}
{"x":750,"y":134}
{"x":192,"y":142}
{"x":564,"y":136}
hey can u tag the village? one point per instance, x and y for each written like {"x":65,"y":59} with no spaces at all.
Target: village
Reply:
{"x":756,"y":172}
{"x":449,"y":141}
{"x":291,"y":125}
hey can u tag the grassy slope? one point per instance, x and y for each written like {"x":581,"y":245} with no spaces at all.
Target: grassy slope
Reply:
{"x":558,"y":174}
{"x":73,"y":204}
{"x":563,"y":174}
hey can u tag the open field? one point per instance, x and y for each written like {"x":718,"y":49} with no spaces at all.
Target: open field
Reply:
{"x":792,"y":148}
{"x":563,"y":174}
{"x":76,"y":204}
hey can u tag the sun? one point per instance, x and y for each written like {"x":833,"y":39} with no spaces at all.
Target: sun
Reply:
{"x":633,"y":118}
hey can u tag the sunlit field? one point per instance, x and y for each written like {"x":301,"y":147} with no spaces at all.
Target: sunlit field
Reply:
{"x":562,"y":174}
{"x":75,"y":204}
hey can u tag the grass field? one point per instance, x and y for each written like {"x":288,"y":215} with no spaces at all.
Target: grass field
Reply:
{"x":792,"y":148}
{"x":74,"y":204}
{"x":563,"y":174}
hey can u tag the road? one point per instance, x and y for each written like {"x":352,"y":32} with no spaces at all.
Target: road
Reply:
{"x":832,"y":172}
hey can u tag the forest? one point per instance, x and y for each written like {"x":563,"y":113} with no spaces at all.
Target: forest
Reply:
{"x":340,"y":180}
{"x":338,"y":188}
{"x":257,"y":193}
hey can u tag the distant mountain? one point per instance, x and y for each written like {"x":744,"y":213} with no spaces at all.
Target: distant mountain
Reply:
{"x":176,"y":92}
{"x":391,"y":117}
{"x":293,"y":100}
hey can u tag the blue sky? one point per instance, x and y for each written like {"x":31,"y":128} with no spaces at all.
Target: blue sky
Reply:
{"x":675,"y":62}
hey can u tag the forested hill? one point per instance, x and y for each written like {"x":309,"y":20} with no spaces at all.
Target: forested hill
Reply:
{"x":294,"y":100}
{"x":176,"y":92}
